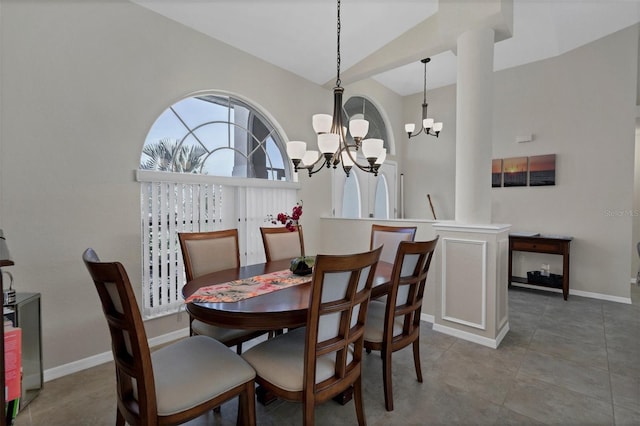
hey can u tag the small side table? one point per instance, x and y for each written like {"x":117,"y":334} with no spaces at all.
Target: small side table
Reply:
{"x":550,"y":244}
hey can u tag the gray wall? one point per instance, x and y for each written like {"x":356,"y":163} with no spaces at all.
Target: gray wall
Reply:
{"x":580,"y":106}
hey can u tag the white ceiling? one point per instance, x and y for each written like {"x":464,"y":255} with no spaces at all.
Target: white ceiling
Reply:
{"x":300,"y":35}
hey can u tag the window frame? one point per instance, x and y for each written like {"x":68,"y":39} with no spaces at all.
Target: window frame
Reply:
{"x":230,"y":101}
{"x":203,"y":202}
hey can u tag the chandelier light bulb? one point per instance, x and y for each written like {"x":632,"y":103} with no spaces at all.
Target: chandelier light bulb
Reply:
{"x":382,"y":156}
{"x":427,"y":123}
{"x":437,"y":127}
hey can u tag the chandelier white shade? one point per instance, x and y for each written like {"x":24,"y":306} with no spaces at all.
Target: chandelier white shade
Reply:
{"x":321,"y":123}
{"x":332,"y":140}
{"x":429,"y":126}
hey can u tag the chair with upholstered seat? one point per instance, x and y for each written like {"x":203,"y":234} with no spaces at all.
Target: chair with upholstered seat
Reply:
{"x":176,"y":383}
{"x":281,"y":243}
{"x":394,"y":324}
{"x":206,"y":252}
{"x":314,"y":363}
{"x":389,"y":237}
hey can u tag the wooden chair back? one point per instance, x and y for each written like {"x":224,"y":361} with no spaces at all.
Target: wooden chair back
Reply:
{"x":404,"y":302}
{"x":131,"y":354}
{"x":206,"y":252}
{"x":280,"y":243}
{"x":389,"y":237}
{"x":336,"y":319}
{"x":395,"y":323}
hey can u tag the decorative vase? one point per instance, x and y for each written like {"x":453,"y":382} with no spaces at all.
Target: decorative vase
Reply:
{"x":302,"y":265}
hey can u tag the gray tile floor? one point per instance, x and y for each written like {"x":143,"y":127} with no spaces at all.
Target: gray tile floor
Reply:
{"x":563,"y":363}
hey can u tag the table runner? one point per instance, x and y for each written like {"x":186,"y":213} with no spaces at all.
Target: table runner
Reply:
{"x":237,"y":290}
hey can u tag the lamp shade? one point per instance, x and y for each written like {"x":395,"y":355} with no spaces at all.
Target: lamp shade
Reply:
{"x":346,"y":159}
{"x":328,"y":142}
{"x":372,"y":148}
{"x":382,"y":156}
{"x":310,"y":157}
{"x":358,"y":128}
{"x":437,"y":127}
{"x":409,"y":127}
{"x":427,"y":123}
{"x":321,"y":123}
{"x":296,"y":149}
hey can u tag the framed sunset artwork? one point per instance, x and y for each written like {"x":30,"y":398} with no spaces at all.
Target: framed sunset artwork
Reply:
{"x":542,"y":170}
{"x":514,"y":171}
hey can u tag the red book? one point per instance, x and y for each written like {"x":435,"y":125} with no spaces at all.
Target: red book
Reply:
{"x":12,"y":362}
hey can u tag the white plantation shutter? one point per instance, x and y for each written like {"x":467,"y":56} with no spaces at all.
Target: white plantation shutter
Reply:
{"x":260,"y":203}
{"x":175,"y":202}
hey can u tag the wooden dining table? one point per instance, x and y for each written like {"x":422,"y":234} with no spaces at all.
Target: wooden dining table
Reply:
{"x":280,"y":309}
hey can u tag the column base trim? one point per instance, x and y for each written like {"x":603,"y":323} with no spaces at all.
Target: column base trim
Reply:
{"x":471,"y":337}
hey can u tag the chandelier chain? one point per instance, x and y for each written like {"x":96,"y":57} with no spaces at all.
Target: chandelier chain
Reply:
{"x":425,"y":85}
{"x":338,"y":47}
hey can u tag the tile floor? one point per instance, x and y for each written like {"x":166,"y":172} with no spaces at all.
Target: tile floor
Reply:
{"x":562,"y":363}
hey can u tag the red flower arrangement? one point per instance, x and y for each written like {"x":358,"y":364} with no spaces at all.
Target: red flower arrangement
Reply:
{"x":289,"y":221}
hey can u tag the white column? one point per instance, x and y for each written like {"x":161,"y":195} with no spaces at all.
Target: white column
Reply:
{"x":474,"y":121}
{"x":472,"y":298}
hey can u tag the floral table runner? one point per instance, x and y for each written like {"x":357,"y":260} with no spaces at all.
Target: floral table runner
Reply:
{"x":236,"y":290}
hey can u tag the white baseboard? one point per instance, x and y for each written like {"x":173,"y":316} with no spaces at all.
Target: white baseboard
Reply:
{"x":427,"y":318}
{"x":626,"y":300}
{"x":471,"y":337}
{"x":95,"y":360}
{"x":600,"y":296}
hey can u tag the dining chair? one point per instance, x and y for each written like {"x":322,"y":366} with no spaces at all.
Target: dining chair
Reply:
{"x":389,"y":237}
{"x":394,"y":324}
{"x":212,"y":251}
{"x":314,"y":363}
{"x":281,"y":243}
{"x":176,"y":383}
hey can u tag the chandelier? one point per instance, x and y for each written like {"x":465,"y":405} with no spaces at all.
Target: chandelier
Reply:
{"x":429,"y":127}
{"x":332,"y":140}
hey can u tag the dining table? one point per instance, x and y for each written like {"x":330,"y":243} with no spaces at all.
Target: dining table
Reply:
{"x":275,"y":310}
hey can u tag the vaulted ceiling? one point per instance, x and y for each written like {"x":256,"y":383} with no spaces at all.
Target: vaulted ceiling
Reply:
{"x":384,"y":39}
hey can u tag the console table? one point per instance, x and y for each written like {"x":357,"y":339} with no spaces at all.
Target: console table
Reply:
{"x":550,"y":244}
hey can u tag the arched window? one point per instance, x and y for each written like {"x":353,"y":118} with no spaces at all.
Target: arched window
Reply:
{"x":210,"y":161}
{"x":217,"y":135}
